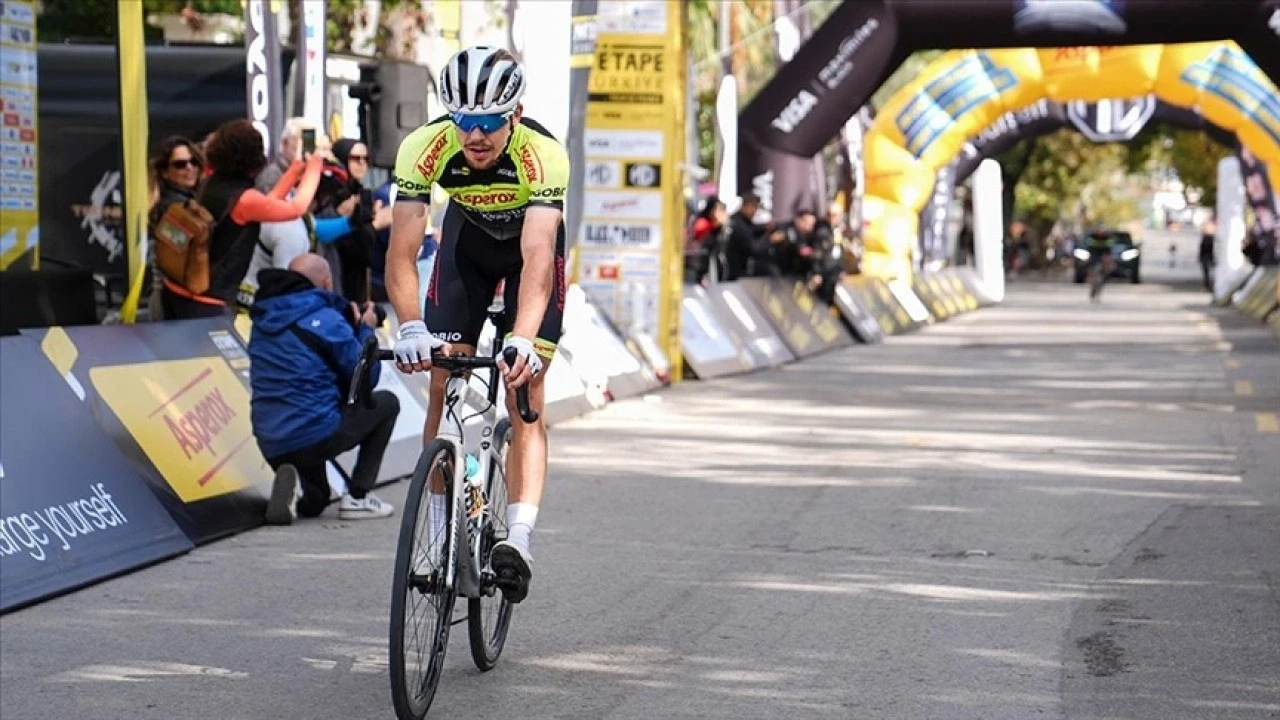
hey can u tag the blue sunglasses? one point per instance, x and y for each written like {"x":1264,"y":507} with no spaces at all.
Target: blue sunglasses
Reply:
{"x":488,"y":124}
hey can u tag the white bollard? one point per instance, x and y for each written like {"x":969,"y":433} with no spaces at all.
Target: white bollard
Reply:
{"x":988,"y":228}
{"x":1230,"y":263}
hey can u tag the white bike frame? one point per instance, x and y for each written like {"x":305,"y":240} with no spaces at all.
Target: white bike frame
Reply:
{"x":467,"y":579}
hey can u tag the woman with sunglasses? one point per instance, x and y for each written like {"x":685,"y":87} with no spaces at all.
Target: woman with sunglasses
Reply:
{"x":506,"y":177}
{"x":175,"y":171}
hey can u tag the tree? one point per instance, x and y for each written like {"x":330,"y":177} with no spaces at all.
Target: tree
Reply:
{"x":1192,"y":154}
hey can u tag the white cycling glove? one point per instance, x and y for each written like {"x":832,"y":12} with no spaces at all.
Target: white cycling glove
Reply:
{"x":524,"y":346}
{"x":414,"y":344}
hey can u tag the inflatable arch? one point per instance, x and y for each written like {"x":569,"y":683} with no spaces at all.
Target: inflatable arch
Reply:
{"x":923,"y":127}
{"x":1041,"y":118}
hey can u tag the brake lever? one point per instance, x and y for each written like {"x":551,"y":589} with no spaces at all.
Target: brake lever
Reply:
{"x":527,"y":414}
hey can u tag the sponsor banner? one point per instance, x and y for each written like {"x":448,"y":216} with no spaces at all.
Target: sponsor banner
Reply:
{"x":19,"y":139}
{"x":858,"y":318}
{"x":175,"y":398}
{"x":810,"y":98}
{"x":745,"y":318}
{"x":262,"y":72}
{"x":874,"y":294}
{"x":643,"y":144}
{"x":925,"y":292}
{"x":67,"y":518}
{"x":634,"y":142}
{"x":646,"y":236}
{"x":709,"y":347}
{"x":801,"y":320}
{"x":635,"y":17}
{"x":311,"y":64}
{"x":1262,"y":199}
{"x":629,"y":204}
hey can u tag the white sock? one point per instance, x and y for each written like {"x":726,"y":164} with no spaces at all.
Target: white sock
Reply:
{"x":521,"y":517}
{"x":437,"y":511}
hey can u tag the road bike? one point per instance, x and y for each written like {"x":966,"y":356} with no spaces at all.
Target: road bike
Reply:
{"x":429,"y":576}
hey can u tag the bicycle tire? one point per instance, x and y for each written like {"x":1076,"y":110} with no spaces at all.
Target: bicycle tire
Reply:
{"x":487,"y":643}
{"x":410,"y":704}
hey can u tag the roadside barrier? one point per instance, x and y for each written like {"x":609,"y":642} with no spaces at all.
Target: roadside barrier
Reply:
{"x":128,"y":444}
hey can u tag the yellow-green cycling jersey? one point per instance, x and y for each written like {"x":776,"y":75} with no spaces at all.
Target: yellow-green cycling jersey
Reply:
{"x":532,"y":170}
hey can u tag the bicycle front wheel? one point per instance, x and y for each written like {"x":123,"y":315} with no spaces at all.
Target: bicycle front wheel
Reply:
{"x":421,"y":605}
{"x":489,"y":615}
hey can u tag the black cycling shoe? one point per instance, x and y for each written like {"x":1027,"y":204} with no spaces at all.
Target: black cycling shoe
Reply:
{"x":512,"y":566}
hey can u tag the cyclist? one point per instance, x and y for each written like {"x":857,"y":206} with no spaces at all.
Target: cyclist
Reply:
{"x":506,"y":177}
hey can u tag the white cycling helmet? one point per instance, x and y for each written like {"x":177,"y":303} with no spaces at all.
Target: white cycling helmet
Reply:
{"x":482,"y":80}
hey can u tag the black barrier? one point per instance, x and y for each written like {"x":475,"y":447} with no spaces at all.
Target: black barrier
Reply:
{"x":927,"y":292}
{"x":1260,"y":301}
{"x":708,"y":346}
{"x":888,"y":309}
{"x":174,"y":397}
{"x":807,"y":329}
{"x":860,"y":320}
{"x":74,"y":510}
{"x":964,"y":296}
{"x":734,"y":305}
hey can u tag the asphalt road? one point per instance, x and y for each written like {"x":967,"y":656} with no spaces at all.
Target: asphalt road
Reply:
{"x":1046,"y":509}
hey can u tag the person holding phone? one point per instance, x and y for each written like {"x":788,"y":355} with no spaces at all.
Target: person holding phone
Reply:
{"x":236,"y":152}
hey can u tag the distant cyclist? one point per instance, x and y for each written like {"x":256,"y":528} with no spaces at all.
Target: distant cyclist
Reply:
{"x":506,"y":177}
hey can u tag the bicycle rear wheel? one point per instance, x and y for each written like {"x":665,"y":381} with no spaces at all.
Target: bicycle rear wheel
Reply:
{"x":489,"y":616}
{"x":420,"y":604}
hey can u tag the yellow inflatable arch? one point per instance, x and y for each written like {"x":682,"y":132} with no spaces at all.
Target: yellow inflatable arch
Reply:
{"x":924,"y":125}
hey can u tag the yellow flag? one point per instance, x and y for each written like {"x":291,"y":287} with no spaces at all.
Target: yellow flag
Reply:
{"x":133,"y":133}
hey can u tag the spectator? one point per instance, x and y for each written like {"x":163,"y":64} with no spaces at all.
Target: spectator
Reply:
{"x":742,"y":239}
{"x":707,"y":237}
{"x":358,"y":235}
{"x":235,"y":151}
{"x":303,"y":353}
{"x":175,"y":177}
{"x":1208,"y":235}
{"x":290,"y":148}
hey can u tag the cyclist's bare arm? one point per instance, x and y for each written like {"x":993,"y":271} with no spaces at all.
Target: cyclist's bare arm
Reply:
{"x":408,"y":228}
{"x":538,"y":248}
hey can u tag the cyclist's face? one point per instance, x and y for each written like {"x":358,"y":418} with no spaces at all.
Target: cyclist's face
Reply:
{"x":482,"y":149}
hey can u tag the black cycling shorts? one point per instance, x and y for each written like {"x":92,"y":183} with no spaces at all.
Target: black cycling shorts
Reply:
{"x":468,"y":267}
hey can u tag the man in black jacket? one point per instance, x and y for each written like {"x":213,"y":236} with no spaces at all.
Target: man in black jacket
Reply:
{"x":744,"y":238}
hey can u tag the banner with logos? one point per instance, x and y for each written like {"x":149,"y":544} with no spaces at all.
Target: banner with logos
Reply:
{"x":710,"y":348}
{"x":734,"y":305}
{"x":1262,"y":199}
{"x":311,"y":67}
{"x":174,"y":396}
{"x":263,"y":83}
{"x":850,"y":54}
{"x":19,"y":119}
{"x":804,"y":322}
{"x":73,"y":509}
{"x":629,"y":259}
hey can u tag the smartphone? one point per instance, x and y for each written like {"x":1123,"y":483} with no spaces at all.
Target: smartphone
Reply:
{"x":308,"y":141}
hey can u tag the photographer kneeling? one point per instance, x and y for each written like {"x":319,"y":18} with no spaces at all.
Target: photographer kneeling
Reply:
{"x":303,"y":352}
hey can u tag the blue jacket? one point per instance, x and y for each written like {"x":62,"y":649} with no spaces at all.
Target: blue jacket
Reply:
{"x":298,"y":390}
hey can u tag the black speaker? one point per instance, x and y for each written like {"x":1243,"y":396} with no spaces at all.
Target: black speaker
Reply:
{"x":45,"y":298}
{"x":396,"y":97}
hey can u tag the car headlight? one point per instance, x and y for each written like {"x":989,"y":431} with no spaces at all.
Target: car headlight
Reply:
{"x":1081,"y":253}
{"x":1129,"y":254}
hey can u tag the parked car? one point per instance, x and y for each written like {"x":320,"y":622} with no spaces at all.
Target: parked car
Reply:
{"x":1126,"y":253}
